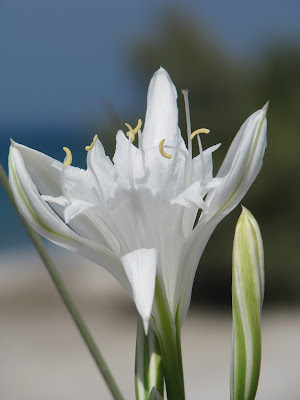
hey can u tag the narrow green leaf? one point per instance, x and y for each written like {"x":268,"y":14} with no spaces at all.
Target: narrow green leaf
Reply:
{"x":247,"y":300}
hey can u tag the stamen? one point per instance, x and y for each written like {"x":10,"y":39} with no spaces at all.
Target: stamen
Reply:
{"x":132,"y":132}
{"x":201,"y":130}
{"x":68,"y":159}
{"x":88,"y":148}
{"x":184,"y":153}
{"x":161,"y":149}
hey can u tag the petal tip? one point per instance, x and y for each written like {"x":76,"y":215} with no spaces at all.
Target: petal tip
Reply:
{"x":161,"y":74}
{"x":266,"y":106}
{"x":146,"y":325}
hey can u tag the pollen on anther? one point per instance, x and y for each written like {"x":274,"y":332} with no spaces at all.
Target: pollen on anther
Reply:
{"x":88,"y":148}
{"x":162,"y":151}
{"x":201,"y":130}
{"x":132,"y":132}
{"x":68,"y":159}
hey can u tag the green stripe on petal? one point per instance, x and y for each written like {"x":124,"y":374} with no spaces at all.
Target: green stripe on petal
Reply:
{"x":247,"y":299}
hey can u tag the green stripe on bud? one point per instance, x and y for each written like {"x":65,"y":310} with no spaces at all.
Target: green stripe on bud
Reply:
{"x":247,"y":300}
{"x":148,"y":364}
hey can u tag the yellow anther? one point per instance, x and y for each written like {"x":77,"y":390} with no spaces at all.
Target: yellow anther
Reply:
{"x":88,"y":148}
{"x":201,"y":130}
{"x":161,"y":149}
{"x":69,"y":156}
{"x":138,"y":127}
{"x":132,"y":132}
{"x":130,"y":129}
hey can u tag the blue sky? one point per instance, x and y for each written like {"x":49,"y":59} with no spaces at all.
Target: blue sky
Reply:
{"x":60,"y":59}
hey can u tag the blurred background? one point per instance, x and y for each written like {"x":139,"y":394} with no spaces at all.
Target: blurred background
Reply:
{"x":70,"y":69}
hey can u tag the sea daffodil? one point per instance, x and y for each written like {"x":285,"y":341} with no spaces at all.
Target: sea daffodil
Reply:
{"x":135,"y":215}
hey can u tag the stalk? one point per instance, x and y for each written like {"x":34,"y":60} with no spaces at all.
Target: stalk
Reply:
{"x":148,"y":364}
{"x":169,"y":341}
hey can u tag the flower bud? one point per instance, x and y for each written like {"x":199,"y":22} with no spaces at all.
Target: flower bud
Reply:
{"x":247,"y":300}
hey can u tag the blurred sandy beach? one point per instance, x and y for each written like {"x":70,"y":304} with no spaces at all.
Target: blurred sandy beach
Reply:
{"x":43,"y":356}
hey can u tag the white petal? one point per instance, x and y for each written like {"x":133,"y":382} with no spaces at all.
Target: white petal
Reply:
{"x":204,"y":174}
{"x":102,"y":169}
{"x":165,"y":173}
{"x":47,"y":223}
{"x":80,"y":184}
{"x":60,"y":200}
{"x":45,"y":173}
{"x":43,"y":170}
{"x":140,"y":220}
{"x":240,"y":167}
{"x":127,"y":160}
{"x":215,"y":182}
{"x":140,"y":268}
{"x":190,"y":257}
{"x":192,"y":196}
{"x":161,"y":120}
{"x":74,"y":209}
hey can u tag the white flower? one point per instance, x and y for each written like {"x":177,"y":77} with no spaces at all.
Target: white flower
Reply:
{"x":135,"y":216}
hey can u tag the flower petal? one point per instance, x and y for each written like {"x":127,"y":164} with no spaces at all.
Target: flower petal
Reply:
{"x":60,"y":200}
{"x":47,"y":223}
{"x":190,"y":256}
{"x":192,"y":196}
{"x":43,"y":170}
{"x":80,"y":187}
{"x":140,"y":267}
{"x":204,"y":174}
{"x":240,"y":167}
{"x":102,"y":169}
{"x":80,"y":184}
{"x":161,"y":120}
{"x":127,"y":160}
{"x":140,"y":220}
{"x":74,"y":209}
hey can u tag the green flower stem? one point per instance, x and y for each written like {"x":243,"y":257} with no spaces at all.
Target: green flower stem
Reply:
{"x":169,"y":341}
{"x":67,"y":299}
{"x":148,"y":364}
